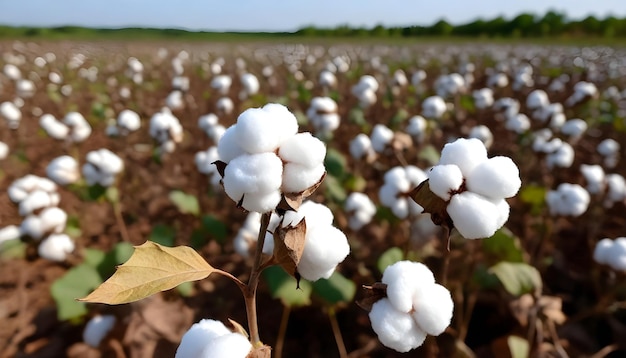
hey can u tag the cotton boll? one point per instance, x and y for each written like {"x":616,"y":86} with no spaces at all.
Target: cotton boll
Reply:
{"x":608,"y":147}
{"x":361,"y":208}
{"x":537,"y":99}
{"x":327,"y":79}
{"x":574,"y":128}
{"x":433,"y":308}
{"x":202,"y":334}
{"x":204,"y":161}
{"x":32,"y":226}
{"x":361,"y":146}
{"x":617,"y":255}
{"x":495,"y":178}
{"x":434,"y":107}
{"x":568,"y":199}
{"x":602,"y":251}
{"x":11,"y":232}
{"x":324,"y":248}
{"x":503,"y":210}
{"x":265,"y":129}
{"x":129,"y":120}
{"x":228,"y":147}
{"x":252,"y":174}
{"x":396,"y":330}
{"x":63,"y":170}
{"x":482,"y":133}
{"x":53,"y":220}
{"x":473,"y":216}
{"x":11,"y":114}
{"x":297,"y":178}
{"x":417,"y":127}
{"x":250,"y":83}
{"x":616,"y":187}
{"x":563,"y":157}
{"x":303,"y":149}
{"x":4,"y":150}
{"x":224,"y":105}
{"x":443,"y":179}
{"x":316,"y":214}
{"x":233,"y":345}
{"x":97,"y":328}
{"x":79,"y":127}
{"x":36,"y":200}
{"x":594,"y":175}
{"x":403,"y":279}
{"x":381,"y":137}
{"x":53,"y":128}
{"x":518,"y":123}
{"x":465,"y":153}
{"x":56,"y":247}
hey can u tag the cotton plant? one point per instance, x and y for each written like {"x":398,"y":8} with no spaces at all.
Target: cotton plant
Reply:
{"x":166,"y":130}
{"x":413,"y":306}
{"x":568,"y":200}
{"x":395,"y":191}
{"x":102,"y":167}
{"x":473,"y":187}
{"x":323,"y":115}
{"x":360,"y":209}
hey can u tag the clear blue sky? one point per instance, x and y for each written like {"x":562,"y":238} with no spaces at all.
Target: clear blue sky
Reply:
{"x":282,"y":15}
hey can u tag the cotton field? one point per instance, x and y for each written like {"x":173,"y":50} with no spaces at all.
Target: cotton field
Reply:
{"x":444,"y":200}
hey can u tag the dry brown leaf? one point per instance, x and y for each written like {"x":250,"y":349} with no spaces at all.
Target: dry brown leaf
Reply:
{"x":289,"y":245}
{"x":292,"y":201}
{"x":373,"y":293}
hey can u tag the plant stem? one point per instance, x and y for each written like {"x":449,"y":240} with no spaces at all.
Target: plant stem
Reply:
{"x":337,"y":333}
{"x":117,"y":210}
{"x":280,"y":340}
{"x":250,"y":291}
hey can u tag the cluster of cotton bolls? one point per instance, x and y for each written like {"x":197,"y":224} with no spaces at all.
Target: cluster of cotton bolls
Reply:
{"x":611,"y":186}
{"x":365,"y":90}
{"x":211,"y":338}
{"x":11,"y":114}
{"x":474,"y":186}
{"x":609,"y":149}
{"x":450,"y":85}
{"x":209,"y":123}
{"x":102,"y":167}
{"x":568,"y":200}
{"x":323,"y":115}
{"x":415,"y":306}
{"x":582,"y":91}
{"x":360,"y":208}
{"x":266,"y":156}
{"x":166,"y":129}
{"x":127,"y":121}
{"x":74,"y":127}
{"x":558,"y":152}
{"x":248,"y":234}
{"x":63,"y":170}
{"x":398,"y":183}
{"x":44,"y":221}
{"x":612,"y":253}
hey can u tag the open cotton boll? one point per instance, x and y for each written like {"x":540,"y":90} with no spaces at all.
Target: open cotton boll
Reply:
{"x":574,"y":128}
{"x":495,"y":178}
{"x":324,"y":248}
{"x":568,"y":199}
{"x":594,"y":175}
{"x":4,"y":150}
{"x":417,"y":127}
{"x":250,"y":83}
{"x":316,"y":214}
{"x":224,"y":105}
{"x":608,"y":147}
{"x":483,"y":98}
{"x":227,"y":147}
{"x":403,"y":279}
{"x":221,"y":83}
{"x":36,"y":200}
{"x":11,"y":114}
{"x":32,"y":226}
{"x":616,"y":187}
{"x":444,"y":179}
{"x":56,"y":247}
{"x":97,"y":328}
{"x":204,"y":162}
{"x":265,"y":129}
{"x":362,"y":209}
{"x":396,"y":330}
{"x":464,"y":153}
{"x":11,"y":232}
{"x":79,"y":127}
{"x":211,"y":339}
{"x":563,"y":157}
{"x":252,"y":174}
{"x":381,"y":137}
{"x":518,"y":123}
{"x":297,"y":178}
{"x":617,"y":254}
{"x":537,"y":99}
{"x":433,"y":307}
{"x":53,"y":128}
{"x":602,"y":251}
{"x":482,"y":133}
{"x":474,"y":216}
{"x":53,"y":220}
{"x":303,"y":149}
{"x":63,"y":170}
{"x":434,"y":107}
{"x":361,"y":146}
{"x":129,"y":120}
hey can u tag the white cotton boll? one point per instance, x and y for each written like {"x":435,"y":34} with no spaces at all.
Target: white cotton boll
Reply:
{"x":250,"y":83}
{"x":608,"y":147}
{"x":175,"y":100}
{"x":208,"y":121}
{"x":362,"y":209}
{"x":403,"y":280}
{"x":12,"y":72}
{"x":327,"y":79}
{"x":537,"y":99}
{"x":252,"y":173}
{"x":63,"y":170}
{"x":53,"y":220}
{"x":473,"y":216}
{"x":617,"y":254}
{"x":265,"y":129}
{"x":381,"y":137}
{"x":602,"y":251}
{"x":97,"y":328}
{"x":574,"y":127}
{"x":4,"y":150}
{"x":557,"y":120}
{"x":433,"y":308}
{"x":303,"y":149}
{"x":56,"y":247}
{"x":225,"y":105}
{"x":316,"y":214}
{"x":563,"y":157}
{"x":434,"y":107}
{"x":483,"y":98}
{"x":495,"y":178}
{"x":504,"y":209}
{"x":297,"y":178}
{"x":233,"y":345}
{"x":129,"y":120}
{"x":80,"y":128}
{"x":361,"y":146}
{"x":367,"y":97}
{"x":53,"y":128}
{"x":465,"y":153}
{"x":36,"y":200}
{"x":261,"y":202}
{"x":204,"y":160}
{"x":417,"y":77}
{"x":11,"y":232}
{"x":518,"y":123}
{"x":25,"y":88}
{"x":32,"y":226}
{"x":568,"y":199}
{"x":228,"y":147}
{"x":324,"y":248}
{"x":203,"y":340}
{"x":417,"y":127}
{"x":616,"y":187}
{"x":221,"y":83}
{"x":11,"y":114}
{"x":482,"y":133}
{"x":443,"y":179}
{"x":396,"y":330}
{"x":594,"y":175}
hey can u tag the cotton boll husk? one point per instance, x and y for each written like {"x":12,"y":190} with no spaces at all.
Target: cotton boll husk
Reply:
{"x":495,"y":178}
{"x":10,"y":232}
{"x":303,"y":149}
{"x":602,"y":251}
{"x":196,"y":338}
{"x":396,"y":330}
{"x":265,"y":129}
{"x":252,"y":173}
{"x":55,"y":247}
{"x":227,"y":147}
{"x":465,"y":153}
{"x":232,"y":345}
{"x":442,"y":179}
{"x":324,"y":248}
{"x":433,"y":308}
{"x":97,"y":328}
{"x":381,"y":136}
{"x":474,"y":216}
{"x":403,"y":280}
{"x":617,"y":255}
{"x":297,"y":178}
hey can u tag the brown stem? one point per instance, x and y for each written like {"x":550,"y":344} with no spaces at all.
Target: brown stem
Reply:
{"x":117,"y":210}
{"x":242,"y":286}
{"x":555,"y":339}
{"x":606,"y":351}
{"x":337,"y":333}
{"x":280,"y":340}
{"x":250,"y":291}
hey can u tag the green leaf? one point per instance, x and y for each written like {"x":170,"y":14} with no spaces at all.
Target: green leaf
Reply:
{"x":517,"y":278}
{"x":105,"y":263}
{"x":355,"y":183}
{"x":334,"y":190}
{"x":357,"y":117}
{"x":216,"y":228}
{"x":518,"y":347}
{"x":504,"y":246}
{"x":429,"y":154}
{"x":389,"y":257}
{"x":151,"y":268}
{"x":95,"y":192}
{"x":12,"y":249}
{"x":186,"y":203}
{"x":76,"y":283}
{"x":335,"y":163}
{"x":534,"y":196}
{"x":284,"y":287}
{"x":335,"y":289}
{"x":185,"y":289}
{"x":112,"y":194}
{"x":163,"y":235}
